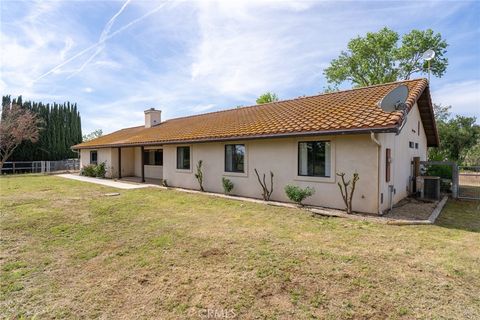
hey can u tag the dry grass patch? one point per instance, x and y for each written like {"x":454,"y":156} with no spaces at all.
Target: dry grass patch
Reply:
{"x":69,"y":252}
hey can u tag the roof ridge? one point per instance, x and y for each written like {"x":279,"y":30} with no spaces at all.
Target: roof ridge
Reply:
{"x":293,"y":99}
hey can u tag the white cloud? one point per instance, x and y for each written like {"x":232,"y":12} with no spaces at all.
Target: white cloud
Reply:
{"x":187,"y":57}
{"x":202,"y":108}
{"x":464,"y":97}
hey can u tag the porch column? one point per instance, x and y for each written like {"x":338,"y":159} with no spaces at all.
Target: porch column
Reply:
{"x":119,"y":163}
{"x":143,"y":161}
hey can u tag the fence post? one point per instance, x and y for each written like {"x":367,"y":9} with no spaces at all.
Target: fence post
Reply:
{"x":13,"y":167}
{"x":455,"y":180}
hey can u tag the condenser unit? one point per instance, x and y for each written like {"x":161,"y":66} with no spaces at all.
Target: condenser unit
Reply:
{"x":429,"y":187}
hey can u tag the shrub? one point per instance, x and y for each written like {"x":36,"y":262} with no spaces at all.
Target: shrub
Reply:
{"x":297,"y":194}
{"x":345,"y":185}
{"x":266,"y":193}
{"x":100,"y":170}
{"x":199,"y":174}
{"x":92,"y":170}
{"x":88,"y":171}
{"x":442,"y":171}
{"x":227,"y":185}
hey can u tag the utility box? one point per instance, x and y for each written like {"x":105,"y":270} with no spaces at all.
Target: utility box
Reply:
{"x":429,"y":187}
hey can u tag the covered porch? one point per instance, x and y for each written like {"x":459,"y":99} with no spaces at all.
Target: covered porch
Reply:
{"x":140,"y":164}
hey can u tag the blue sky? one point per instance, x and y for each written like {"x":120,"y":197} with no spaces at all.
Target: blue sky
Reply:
{"x":118,"y":58}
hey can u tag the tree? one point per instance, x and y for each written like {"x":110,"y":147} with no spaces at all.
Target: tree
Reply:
{"x":16,"y":125}
{"x":377,"y":58}
{"x":457,"y":136}
{"x":92,"y":135}
{"x":267,"y":97}
{"x":472,"y":156}
{"x":61,"y":130}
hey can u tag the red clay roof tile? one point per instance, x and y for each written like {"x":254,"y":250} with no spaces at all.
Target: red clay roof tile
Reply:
{"x":344,"y":110}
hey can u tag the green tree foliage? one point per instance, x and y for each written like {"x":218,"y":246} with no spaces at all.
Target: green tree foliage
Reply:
{"x":377,"y":58}
{"x":267,"y":97}
{"x":92,"y":135}
{"x":61,"y":130}
{"x":457,"y":136}
{"x":472,"y":156}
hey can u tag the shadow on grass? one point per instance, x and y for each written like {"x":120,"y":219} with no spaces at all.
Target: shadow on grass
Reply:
{"x":460,"y":214}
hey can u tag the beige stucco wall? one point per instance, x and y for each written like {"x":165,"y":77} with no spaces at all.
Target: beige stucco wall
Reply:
{"x":402,"y":156}
{"x":131,"y":162}
{"x":107,"y":155}
{"x":349,"y":154}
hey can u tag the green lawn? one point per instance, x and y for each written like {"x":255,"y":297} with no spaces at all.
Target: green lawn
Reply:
{"x":68,"y":251}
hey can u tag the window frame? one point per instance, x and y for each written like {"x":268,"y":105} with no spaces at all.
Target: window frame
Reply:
{"x":96,"y":157}
{"x":183,"y":169}
{"x":147,"y":155}
{"x":314,"y":142}
{"x":234,"y":155}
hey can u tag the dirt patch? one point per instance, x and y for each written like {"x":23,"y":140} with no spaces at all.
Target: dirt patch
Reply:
{"x":212,"y":252}
{"x":412,"y":209}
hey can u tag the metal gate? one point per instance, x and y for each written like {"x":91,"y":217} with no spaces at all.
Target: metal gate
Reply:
{"x":469,"y":182}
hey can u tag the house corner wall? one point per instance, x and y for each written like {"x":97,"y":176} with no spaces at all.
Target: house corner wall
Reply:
{"x":401,"y":170}
{"x":107,"y":155}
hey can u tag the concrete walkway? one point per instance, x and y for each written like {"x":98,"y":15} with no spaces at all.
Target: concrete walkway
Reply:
{"x":105,"y":182}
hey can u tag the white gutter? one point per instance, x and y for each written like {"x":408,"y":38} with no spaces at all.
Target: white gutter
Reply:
{"x":379,"y":148}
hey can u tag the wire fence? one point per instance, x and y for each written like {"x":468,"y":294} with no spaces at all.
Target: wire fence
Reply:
{"x":16,"y":167}
{"x":469,"y":182}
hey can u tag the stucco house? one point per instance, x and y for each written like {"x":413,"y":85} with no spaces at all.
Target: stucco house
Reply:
{"x":303,"y":141}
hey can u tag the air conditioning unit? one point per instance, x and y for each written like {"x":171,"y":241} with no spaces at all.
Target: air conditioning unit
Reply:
{"x":429,"y":187}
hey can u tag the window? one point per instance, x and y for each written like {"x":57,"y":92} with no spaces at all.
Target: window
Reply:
{"x":411,"y":144}
{"x":416,"y":145}
{"x":234,"y":158}
{"x":314,"y":159}
{"x":183,"y":158}
{"x":93,"y":157}
{"x":153,"y":157}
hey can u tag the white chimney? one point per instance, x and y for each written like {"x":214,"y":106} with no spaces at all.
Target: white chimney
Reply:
{"x":152,"y":117}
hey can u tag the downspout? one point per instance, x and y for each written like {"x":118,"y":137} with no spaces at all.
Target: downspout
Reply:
{"x":379,"y":147}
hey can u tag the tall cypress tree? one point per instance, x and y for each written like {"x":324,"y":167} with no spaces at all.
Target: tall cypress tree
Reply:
{"x":61,"y":128}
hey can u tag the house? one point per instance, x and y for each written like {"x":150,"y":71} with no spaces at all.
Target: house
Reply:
{"x":303,"y":141}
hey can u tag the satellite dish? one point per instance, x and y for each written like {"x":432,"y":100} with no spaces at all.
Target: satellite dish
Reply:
{"x":428,"y":55}
{"x":395,"y":99}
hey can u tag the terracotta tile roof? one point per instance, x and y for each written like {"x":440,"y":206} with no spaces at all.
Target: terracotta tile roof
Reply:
{"x":354,"y":110}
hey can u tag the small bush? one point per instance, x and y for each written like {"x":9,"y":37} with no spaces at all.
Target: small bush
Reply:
{"x":227,"y":185}
{"x":100,"y":170}
{"x":297,"y":194}
{"x":93,"y":170}
{"x":88,"y":171}
{"x":442,"y":171}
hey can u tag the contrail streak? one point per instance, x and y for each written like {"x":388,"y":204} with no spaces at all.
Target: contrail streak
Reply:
{"x":103,"y":36}
{"x":99,"y":43}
